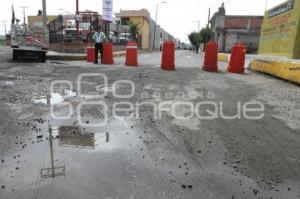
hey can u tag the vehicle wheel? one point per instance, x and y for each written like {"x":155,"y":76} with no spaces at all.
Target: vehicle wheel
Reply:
{"x":15,"y":55}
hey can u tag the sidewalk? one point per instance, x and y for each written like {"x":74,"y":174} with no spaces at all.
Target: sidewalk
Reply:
{"x":75,"y":56}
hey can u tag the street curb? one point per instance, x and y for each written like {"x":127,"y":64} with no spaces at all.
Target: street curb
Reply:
{"x":65,"y":57}
{"x":223,"y":57}
{"x":282,"y":69}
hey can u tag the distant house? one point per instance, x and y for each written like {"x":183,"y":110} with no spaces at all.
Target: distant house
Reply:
{"x":146,"y":28}
{"x":140,"y":17}
{"x":230,"y":29}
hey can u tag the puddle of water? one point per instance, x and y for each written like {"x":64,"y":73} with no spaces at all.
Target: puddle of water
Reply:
{"x":75,"y":152}
{"x":73,"y":136}
{"x":56,"y":98}
{"x":8,"y":83}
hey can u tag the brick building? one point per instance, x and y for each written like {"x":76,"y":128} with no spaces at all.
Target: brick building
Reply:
{"x":230,"y":29}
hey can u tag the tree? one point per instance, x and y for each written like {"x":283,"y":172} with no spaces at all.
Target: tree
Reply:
{"x":203,"y":35}
{"x":134,"y":29}
{"x":194,"y":38}
{"x":200,"y":37}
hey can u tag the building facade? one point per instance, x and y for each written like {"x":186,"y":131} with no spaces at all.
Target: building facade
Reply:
{"x":146,"y":28}
{"x":230,"y":29}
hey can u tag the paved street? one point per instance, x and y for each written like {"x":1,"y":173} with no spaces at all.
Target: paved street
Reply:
{"x":144,"y":156}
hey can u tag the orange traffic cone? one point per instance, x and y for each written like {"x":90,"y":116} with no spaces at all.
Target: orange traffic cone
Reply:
{"x":131,"y":54}
{"x":107,"y":54}
{"x":168,"y":56}
{"x":211,"y":57}
{"x":90,"y":54}
{"x":237,"y":59}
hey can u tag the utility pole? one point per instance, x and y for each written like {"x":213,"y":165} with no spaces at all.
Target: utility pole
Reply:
{"x":77,"y":22}
{"x":154,"y":34}
{"x":266,"y":5}
{"x":24,"y":13}
{"x":4,"y":23}
{"x":44,"y":22}
{"x":207,"y":30}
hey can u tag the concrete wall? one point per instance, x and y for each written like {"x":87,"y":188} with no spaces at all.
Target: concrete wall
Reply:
{"x":231,"y":38}
{"x":250,"y":40}
{"x":280,"y":34}
{"x":157,"y":36}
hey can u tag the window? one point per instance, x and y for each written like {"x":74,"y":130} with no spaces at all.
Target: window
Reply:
{"x":125,"y":21}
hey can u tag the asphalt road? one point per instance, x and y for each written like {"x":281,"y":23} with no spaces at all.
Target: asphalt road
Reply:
{"x":144,"y":154}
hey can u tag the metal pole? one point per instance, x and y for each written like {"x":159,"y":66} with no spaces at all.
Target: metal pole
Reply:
{"x":5,"y":28}
{"x":24,"y":13}
{"x":44,"y":14}
{"x":154,"y":35}
{"x":51,"y":151}
{"x":44,"y":21}
{"x":77,"y":22}
{"x":207,"y":30}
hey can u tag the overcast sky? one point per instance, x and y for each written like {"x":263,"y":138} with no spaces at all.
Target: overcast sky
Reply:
{"x":176,"y":16}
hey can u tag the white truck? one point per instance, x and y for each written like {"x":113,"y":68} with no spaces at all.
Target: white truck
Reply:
{"x":29,"y":42}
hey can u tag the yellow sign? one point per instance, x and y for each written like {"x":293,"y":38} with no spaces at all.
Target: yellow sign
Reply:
{"x":280,"y":34}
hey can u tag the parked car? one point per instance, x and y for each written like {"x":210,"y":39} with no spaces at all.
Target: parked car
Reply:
{"x":124,"y":37}
{"x":113,"y":37}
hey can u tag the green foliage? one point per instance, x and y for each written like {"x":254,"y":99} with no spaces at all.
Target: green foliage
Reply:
{"x":134,"y":29}
{"x":203,"y":34}
{"x":194,"y":38}
{"x":200,"y":37}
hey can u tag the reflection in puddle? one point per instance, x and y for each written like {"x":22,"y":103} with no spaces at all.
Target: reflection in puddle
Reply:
{"x":71,"y":136}
{"x":66,"y":154}
{"x":9,"y":83}
{"x":53,"y":171}
{"x":55,"y":98}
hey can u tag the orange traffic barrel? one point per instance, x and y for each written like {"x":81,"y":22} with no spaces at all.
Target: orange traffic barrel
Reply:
{"x":107,"y":54}
{"x":131,"y":54}
{"x":168,"y":56}
{"x":211,"y":57}
{"x":237,"y":59}
{"x":90,"y":54}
